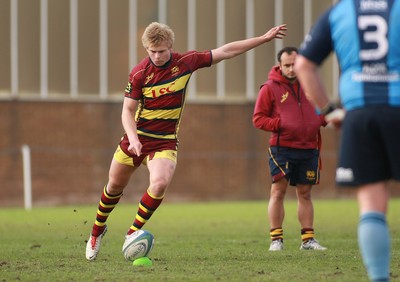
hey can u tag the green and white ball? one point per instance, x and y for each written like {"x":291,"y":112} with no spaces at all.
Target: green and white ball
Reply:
{"x":137,"y":245}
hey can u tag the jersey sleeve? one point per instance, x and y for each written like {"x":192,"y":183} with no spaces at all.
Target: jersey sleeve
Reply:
{"x":197,"y":60}
{"x":134,"y":88}
{"x":318,"y":43}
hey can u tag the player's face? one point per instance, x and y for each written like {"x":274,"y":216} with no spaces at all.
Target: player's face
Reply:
{"x":159,"y":55}
{"x":287,"y":64}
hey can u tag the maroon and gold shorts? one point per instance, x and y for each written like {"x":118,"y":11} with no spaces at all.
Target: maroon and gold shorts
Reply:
{"x":152,"y":149}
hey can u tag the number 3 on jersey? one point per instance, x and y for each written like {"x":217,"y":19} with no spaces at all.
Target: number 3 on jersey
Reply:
{"x":375,"y":36}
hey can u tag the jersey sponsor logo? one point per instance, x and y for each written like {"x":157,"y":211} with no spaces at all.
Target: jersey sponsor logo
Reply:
{"x":148,"y":78}
{"x":163,"y":90}
{"x":167,"y":88}
{"x":128,"y":88}
{"x":375,"y":73}
{"x":373,"y":5}
{"x":344,"y":174}
{"x":175,"y":71}
{"x":368,"y":77}
{"x":284,"y":97}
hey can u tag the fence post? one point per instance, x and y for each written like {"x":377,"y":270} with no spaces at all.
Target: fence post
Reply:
{"x":26,"y":164}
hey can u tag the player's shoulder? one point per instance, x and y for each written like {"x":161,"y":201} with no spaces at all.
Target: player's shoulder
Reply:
{"x":189,"y":55}
{"x":139,"y":70}
{"x":328,"y":15}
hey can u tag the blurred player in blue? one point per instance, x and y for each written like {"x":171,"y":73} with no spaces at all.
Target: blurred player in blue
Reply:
{"x":365,"y":36}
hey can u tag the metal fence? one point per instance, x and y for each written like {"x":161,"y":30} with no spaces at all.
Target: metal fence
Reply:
{"x":70,"y":49}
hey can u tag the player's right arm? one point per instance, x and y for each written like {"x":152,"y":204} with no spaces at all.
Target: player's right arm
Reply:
{"x":129,"y":123}
{"x":236,"y":48}
{"x":315,"y":48}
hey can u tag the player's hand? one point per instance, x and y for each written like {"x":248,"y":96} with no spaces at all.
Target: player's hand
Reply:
{"x":276,"y":32}
{"x":335,"y":117}
{"x":135,"y":147}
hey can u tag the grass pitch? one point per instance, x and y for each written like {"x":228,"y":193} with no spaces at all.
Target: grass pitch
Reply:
{"x":193,"y":242}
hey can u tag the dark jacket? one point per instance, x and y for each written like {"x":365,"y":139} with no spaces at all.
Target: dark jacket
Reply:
{"x":283,"y":109}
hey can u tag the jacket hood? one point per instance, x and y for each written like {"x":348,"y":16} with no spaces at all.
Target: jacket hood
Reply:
{"x":275,"y":74}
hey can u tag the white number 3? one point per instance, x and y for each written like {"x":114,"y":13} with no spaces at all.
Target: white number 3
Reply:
{"x":378,"y":36}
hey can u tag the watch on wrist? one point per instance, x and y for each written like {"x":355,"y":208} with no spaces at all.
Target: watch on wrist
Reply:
{"x":328,"y":109}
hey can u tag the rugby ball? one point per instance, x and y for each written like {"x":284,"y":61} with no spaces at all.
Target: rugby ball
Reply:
{"x":137,"y":245}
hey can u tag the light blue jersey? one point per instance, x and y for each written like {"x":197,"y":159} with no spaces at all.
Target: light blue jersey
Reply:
{"x":365,"y":36}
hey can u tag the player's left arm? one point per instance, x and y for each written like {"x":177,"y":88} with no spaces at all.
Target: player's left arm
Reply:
{"x":236,"y":48}
{"x":129,"y":123}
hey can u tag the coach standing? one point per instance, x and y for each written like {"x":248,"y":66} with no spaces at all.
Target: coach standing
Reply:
{"x":294,"y":152}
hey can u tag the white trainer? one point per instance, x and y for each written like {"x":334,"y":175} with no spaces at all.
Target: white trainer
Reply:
{"x":312,"y":244}
{"x":93,"y":245}
{"x":276,"y":245}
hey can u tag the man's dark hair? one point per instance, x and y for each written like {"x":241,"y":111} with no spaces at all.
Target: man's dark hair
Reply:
{"x":288,"y":50}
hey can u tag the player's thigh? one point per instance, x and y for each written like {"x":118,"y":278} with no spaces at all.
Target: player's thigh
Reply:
{"x":119,"y":175}
{"x":278,"y":189}
{"x":303,"y":191}
{"x":363,"y":156}
{"x":391,"y":138}
{"x":278,"y":162}
{"x":162,"y":167}
{"x":307,"y":170}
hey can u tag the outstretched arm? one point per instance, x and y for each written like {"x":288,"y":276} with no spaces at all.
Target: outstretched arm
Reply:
{"x":235,"y":48}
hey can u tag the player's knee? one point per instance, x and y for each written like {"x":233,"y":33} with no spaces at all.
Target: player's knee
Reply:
{"x":304,"y":195}
{"x":278,"y":194}
{"x":159,"y":186}
{"x":114,"y":188}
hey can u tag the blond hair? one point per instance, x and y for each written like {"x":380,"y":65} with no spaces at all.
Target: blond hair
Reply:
{"x":157,"y":33}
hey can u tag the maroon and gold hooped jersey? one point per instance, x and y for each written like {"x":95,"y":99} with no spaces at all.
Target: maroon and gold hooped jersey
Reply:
{"x":161,"y":92}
